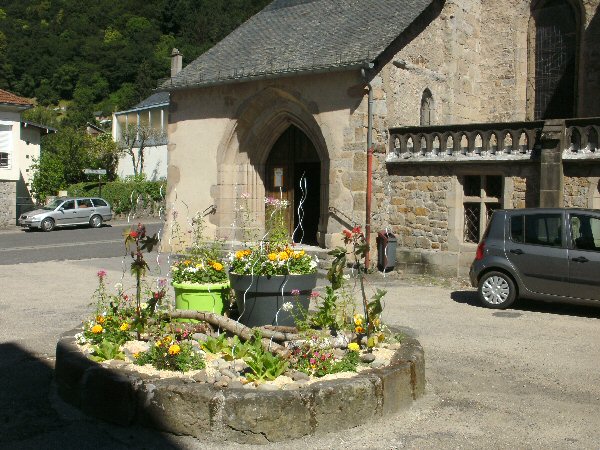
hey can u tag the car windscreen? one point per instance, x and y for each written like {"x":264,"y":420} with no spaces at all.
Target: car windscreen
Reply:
{"x":52,"y":206}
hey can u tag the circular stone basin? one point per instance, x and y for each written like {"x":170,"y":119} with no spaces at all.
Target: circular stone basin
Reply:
{"x":124,"y":396}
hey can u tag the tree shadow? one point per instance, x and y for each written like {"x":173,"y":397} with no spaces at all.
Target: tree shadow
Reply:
{"x":32,"y":416}
{"x":523,"y":304}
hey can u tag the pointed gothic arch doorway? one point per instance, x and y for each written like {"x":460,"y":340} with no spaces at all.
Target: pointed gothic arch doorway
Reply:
{"x":293,"y":173}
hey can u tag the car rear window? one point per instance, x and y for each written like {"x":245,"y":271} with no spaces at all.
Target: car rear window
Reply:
{"x":99,"y":202}
{"x":537,"y":229}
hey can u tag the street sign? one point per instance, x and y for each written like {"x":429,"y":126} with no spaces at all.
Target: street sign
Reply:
{"x":94,"y":171}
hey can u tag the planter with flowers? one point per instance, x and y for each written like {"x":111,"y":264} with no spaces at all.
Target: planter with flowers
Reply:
{"x":273,"y":282}
{"x":200,"y":279}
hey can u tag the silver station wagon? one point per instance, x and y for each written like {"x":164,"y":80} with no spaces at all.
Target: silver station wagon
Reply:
{"x":92,"y":211}
{"x":543,"y":254}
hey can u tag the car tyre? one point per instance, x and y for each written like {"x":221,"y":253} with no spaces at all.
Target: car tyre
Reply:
{"x":96,"y":221}
{"x":47,"y":224}
{"x":497,"y":290}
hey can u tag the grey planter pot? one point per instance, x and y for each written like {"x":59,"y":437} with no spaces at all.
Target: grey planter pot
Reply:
{"x":260,"y":298}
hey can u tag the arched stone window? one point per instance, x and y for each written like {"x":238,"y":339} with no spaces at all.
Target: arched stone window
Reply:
{"x":553,"y":53}
{"x":426,"y":108}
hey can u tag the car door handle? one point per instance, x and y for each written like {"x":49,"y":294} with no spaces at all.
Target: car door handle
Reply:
{"x":516,"y":251}
{"x":581,"y":259}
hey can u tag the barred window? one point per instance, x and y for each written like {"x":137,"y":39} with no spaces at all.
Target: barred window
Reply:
{"x":482,"y":195}
{"x":5,"y":138}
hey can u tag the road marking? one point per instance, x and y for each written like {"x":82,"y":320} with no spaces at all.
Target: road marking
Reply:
{"x":66,"y":244}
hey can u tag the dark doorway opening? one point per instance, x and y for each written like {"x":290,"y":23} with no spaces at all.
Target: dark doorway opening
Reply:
{"x":293,"y":173}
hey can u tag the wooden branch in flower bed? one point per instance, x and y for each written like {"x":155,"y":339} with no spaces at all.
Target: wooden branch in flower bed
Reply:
{"x":242,"y":331}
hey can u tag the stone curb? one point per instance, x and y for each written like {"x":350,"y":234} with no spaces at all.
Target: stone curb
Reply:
{"x":184,"y":407}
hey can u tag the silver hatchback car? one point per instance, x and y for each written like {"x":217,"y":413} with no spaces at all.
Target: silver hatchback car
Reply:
{"x":92,"y":211}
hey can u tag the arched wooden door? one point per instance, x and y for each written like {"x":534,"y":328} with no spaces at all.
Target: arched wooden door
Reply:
{"x":293,"y":173}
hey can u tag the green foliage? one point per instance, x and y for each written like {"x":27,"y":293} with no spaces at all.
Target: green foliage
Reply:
{"x":71,"y":42}
{"x":215,"y":345}
{"x":264,"y":365}
{"x":326,"y":314}
{"x":106,"y":350}
{"x":121,"y":194}
{"x":313,"y":358}
{"x":167,"y":354}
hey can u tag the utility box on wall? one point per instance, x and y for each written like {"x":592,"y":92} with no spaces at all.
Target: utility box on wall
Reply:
{"x":386,"y":251}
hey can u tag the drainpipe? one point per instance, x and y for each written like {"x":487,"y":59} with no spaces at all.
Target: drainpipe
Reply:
{"x":369,"y":164}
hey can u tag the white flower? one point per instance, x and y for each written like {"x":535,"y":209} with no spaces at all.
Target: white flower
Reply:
{"x":119,"y":286}
{"x":80,"y":338}
{"x":313,"y":264}
{"x":347,"y":276}
{"x":287,"y":306}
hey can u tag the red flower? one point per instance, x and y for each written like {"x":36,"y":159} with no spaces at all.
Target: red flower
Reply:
{"x":347,"y":233}
{"x":356,"y":230}
{"x":134,"y":234}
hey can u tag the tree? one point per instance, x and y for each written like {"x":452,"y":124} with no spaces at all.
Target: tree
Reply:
{"x":134,"y":140}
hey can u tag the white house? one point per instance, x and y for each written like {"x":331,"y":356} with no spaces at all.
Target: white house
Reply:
{"x":148,"y":121}
{"x":19,"y":146}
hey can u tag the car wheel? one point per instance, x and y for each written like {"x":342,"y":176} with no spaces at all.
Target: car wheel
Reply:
{"x":47,"y":224}
{"x":497,"y":290}
{"x":96,"y":221}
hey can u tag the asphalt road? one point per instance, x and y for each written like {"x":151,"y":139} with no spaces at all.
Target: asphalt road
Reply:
{"x":526,"y":378}
{"x":72,"y":243}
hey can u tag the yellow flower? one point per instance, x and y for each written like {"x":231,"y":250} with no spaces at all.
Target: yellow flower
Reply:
{"x":136,"y":355}
{"x":298,"y":255}
{"x":359,"y":330}
{"x":124,"y":326}
{"x":174,"y":349}
{"x":283,"y":256}
{"x":100,"y":319}
{"x":199,"y":266}
{"x":97,"y":329}
{"x":240,"y":254}
{"x":272,"y":256}
{"x":158,"y":344}
{"x":358,"y":320}
{"x":167,"y":339}
{"x":353,"y":347}
{"x":217,"y":266}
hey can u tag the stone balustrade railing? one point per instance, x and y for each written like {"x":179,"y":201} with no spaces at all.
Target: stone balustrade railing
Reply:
{"x":489,"y":142}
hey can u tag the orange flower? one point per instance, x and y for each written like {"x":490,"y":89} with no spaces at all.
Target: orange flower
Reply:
{"x":97,"y":329}
{"x":359,"y":330}
{"x":100,"y":319}
{"x":217,"y":266}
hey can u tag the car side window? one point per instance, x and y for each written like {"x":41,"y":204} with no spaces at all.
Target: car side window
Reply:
{"x":99,"y":202}
{"x":585,"y":232}
{"x":84,"y":203}
{"x":543,"y":229}
{"x":70,"y":204}
{"x":517,"y":232}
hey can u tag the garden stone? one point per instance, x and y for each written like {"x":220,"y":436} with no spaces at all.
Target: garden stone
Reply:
{"x":297,"y":375}
{"x":249,"y":386}
{"x":229,"y":373}
{"x":377,"y":364}
{"x":267,"y":387}
{"x":291,"y":386}
{"x":394,"y":346}
{"x":116,"y":363}
{"x":367,"y":357}
{"x":235,"y":384}
{"x":201,"y":377}
{"x":340,"y":341}
{"x":338,"y":353}
{"x":239,"y":365}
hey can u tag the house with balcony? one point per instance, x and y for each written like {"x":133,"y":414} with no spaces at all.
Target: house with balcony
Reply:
{"x":140,"y":132}
{"x":19,"y":148}
{"x":416,"y":117}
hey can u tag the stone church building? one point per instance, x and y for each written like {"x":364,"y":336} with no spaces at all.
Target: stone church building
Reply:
{"x":467,"y":105}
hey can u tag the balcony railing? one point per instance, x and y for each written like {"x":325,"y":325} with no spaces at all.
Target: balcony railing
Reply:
{"x":511,"y":141}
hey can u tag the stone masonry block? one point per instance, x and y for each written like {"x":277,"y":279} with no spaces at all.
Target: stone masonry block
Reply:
{"x":108,"y":395}
{"x":256,"y":417}
{"x":397,"y":392}
{"x":177,"y":406}
{"x":347,"y":401}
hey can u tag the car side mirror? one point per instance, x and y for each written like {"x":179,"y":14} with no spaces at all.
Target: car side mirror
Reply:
{"x":61,"y":209}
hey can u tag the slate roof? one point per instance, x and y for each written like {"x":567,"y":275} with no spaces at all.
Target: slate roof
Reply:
{"x":8,"y":98}
{"x":302,"y":36}
{"x":156,"y":99}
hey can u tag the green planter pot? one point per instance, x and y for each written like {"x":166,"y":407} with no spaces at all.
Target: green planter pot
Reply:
{"x":201,"y":297}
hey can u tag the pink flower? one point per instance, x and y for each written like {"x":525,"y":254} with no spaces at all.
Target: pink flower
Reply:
{"x":295,"y":291}
{"x":314,"y":294}
{"x":312,"y":360}
{"x":101,"y":274}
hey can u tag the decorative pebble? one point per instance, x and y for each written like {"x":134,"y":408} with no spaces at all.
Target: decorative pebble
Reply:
{"x":228,"y":373}
{"x":367,"y":357}
{"x":339,"y":353}
{"x":377,"y":364}
{"x":235,"y":384}
{"x":394,"y":346}
{"x":200,"y":337}
{"x":201,"y":377}
{"x":267,"y":387}
{"x":296,"y":375}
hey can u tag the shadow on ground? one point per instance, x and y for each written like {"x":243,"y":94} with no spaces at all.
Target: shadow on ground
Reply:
{"x":32,"y":416}
{"x":564,"y":308}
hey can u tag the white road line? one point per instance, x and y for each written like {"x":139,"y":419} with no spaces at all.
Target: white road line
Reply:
{"x":66,"y":244}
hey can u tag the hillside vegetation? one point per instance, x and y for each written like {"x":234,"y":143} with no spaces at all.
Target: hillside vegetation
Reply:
{"x":105,"y":55}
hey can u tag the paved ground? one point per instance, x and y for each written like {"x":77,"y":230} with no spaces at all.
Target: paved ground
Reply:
{"x":523,"y":378}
